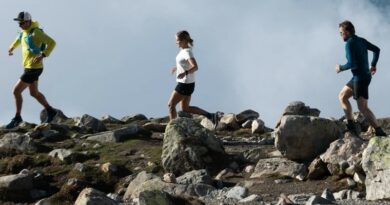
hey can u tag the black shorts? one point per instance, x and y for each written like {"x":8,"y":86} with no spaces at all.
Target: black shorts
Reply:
{"x":31,"y":75}
{"x":185,"y":88}
{"x":359,"y":88}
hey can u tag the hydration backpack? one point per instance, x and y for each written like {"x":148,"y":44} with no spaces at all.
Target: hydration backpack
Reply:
{"x":30,"y":44}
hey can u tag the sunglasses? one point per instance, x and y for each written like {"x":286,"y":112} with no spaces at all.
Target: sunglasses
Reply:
{"x":22,"y":22}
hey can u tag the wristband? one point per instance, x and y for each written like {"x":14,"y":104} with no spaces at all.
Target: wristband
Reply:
{"x":186,"y":72}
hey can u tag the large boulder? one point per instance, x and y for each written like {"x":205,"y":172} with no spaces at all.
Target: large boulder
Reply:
{"x":195,"y":177}
{"x":188,"y":146}
{"x":90,"y":196}
{"x":118,"y":135}
{"x":376,"y":165}
{"x":155,"y":197}
{"x":91,"y":124}
{"x":279,"y":167}
{"x":246,"y":115}
{"x":58,"y":118}
{"x":16,"y":187}
{"x":303,"y":138}
{"x":298,"y":108}
{"x":348,"y":149}
{"x":134,"y":118}
{"x":17,"y":141}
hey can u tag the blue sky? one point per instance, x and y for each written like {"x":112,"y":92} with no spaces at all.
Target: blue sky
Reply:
{"x":114,"y":57}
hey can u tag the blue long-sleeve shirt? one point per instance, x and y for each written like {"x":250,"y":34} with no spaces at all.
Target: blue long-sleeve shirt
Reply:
{"x":357,"y":57}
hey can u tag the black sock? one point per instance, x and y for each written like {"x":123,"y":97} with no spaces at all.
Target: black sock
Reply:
{"x":50,"y":109}
{"x":18,"y":116}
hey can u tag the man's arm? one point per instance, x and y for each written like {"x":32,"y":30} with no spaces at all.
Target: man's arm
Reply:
{"x":14,"y":45}
{"x":43,"y":37}
{"x":376,"y":52}
{"x":350,"y":61}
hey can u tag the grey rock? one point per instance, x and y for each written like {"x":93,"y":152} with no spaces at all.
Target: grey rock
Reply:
{"x":18,"y":142}
{"x":188,"y":146}
{"x":252,"y":199}
{"x":314,"y":200}
{"x":327,"y":194}
{"x":91,"y":124}
{"x":62,"y":154}
{"x":317,"y":169}
{"x":258,"y":126}
{"x":237,"y":192}
{"x":279,"y":167}
{"x":136,"y":182}
{"x":17,"y":182}
{"x":195,"y":177}
{"x":118,"y":135}
{"x":208,"y":124}
{"x":230,"y":121}
{"x":155,"y":197}
{"x":134,"y":118}
{"x":247,"y":124}
{"x":298,"y":108}
{"x":80,"y":167}
{"x":89,"y":196}
{"x":347,"y":194}
{"x":60,"y":117}
{"x":313,"y":133}
{"x":255,"y":154}
{"x":155,"y":127}
{"x":376,"y":165}
{"x":344,"y":152}
{"x":45,"y":201}
{"x":111,"y":120}
{"x":300,"y":198}
{"x":246,"y":115}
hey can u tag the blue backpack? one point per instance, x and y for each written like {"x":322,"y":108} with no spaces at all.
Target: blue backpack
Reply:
{"x":31,"y":46}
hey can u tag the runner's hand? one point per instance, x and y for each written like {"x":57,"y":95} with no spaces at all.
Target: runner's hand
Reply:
{"x":10,"y":51}
{"x":181,"y":75}
{"x":173,"y":70}
{"x":38,"y":59}
{"x":338,"y":68}
{"x":373,"y":70}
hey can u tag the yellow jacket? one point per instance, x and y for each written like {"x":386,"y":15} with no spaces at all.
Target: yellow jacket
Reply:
{"x":38,"y":37}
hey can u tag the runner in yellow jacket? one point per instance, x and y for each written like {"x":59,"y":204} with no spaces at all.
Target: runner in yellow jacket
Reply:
{"x":36,"y":45}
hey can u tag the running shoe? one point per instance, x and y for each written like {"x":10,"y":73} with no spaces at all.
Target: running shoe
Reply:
{"x":14,"y":122}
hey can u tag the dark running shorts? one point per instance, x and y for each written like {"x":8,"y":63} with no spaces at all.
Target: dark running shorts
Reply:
{"x":31,"y":75}
{"x":185,"y":88}
{"x":359,"y":88}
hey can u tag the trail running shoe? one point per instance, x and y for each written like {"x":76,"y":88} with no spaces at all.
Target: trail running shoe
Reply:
{"x":352,"y":127}
{"x":14,"y":122}
{"x":50,"y":116}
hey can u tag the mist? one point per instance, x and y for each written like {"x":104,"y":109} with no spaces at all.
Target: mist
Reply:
{"x":114,"y":57}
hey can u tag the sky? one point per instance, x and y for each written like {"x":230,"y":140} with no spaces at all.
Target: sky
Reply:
{"x":114,"y":57}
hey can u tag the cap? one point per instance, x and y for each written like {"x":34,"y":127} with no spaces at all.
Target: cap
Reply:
{"x":23,"y":16}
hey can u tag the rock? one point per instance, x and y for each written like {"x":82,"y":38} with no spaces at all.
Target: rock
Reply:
{"x":317,"y":169}
{"x":346,"y":151}
{"x":247,"y":124}
{"x":44,"y":202}
{"x":155,"y":127}
{"x":62,"y":154}
{"x":50,"y":134}
{"x":188,"y":146}
{"x":303,"y":138}
{"x":91,"y":196}
{"x":80,"y":167}
{"x":246,"y":115}
{"x":258,"y":126}
{"x":359,"y":178}
{"x":134,"y":118}
{"x":155,"y":197}
{"x":169,"y":178}
{"x":282,"y":181}
{"x":58,"y":118}
{"x":347,"y":194}
{"x":38,"y":194}
{"x":208,"y":124}
{"x":147,"y":182}
{"x":111,"y":120}
{"x":327,"y":194}
{"x":249,"y":169}
{"x":376,"y":165}
{"x":16,"y":182}
{"x":108,"y":168}
{"x":230,"y":121}
{"x":225,"y":173}
{"x":351,"y":183}
{"x":91,"y":124}
{"x":237,"y":192}
{"x":252,"y":199}
{"x":115,"y":197}
{"x":315,"y":200}
{"x":255,"y":154}
{"x":298,"y":108}
{"x":118,"y":135}
{"x":279,"y":167}
{"x":299,"y":198}
{"x":195,"y":177}
{"x":18,"y":142}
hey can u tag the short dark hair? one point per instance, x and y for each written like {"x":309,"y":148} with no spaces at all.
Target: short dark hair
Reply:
{"x":185,"y":36}
{"x":348,"y":26}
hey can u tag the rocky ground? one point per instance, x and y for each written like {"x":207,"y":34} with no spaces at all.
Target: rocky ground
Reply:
{"x":306,"y":159}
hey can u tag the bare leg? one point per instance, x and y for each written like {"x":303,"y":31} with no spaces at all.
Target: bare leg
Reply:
{"x":185,"y":106}
{"x":344,"y":96}
{"x":173,"y":101}
{"x":34,"y":92}
{"x":363,"y":108}
{"x":20,"y":86}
